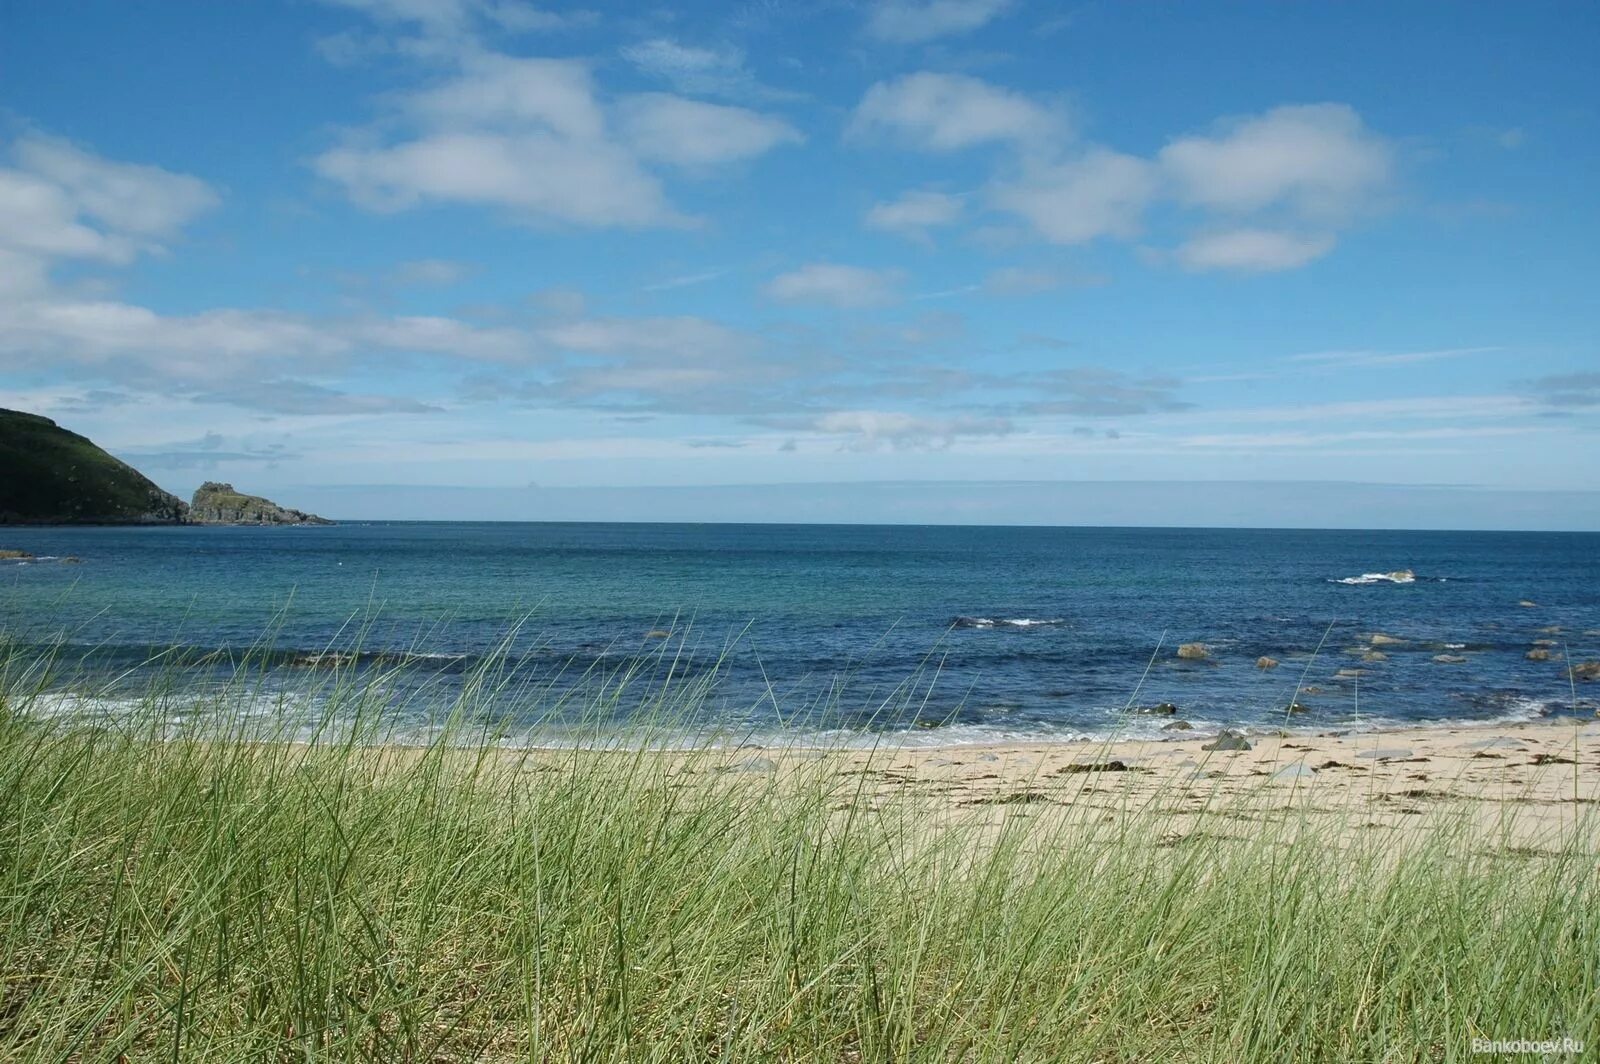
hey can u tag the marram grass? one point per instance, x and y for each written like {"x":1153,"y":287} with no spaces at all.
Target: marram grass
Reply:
{"x":225,"y":895}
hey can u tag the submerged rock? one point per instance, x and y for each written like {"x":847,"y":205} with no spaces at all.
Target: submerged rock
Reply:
{"x":1264,"y":662}
{"x":1194,"y":652}
{"x":1449,"y":659}
{"x":1541,"y":654}
{"x":1228,"y":739}
{"x":1177,"y":725}
{"x":15,"y":556}
{"x":1585,"y":670}
{"x":1297,"y":707}
{"x":1527,"y":603}
{"x":1379,"y":639}
{"x":1374,"y":655}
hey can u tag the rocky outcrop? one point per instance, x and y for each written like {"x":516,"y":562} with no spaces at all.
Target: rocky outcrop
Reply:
{"x":56,"y":477}
{"x":220,"y":504}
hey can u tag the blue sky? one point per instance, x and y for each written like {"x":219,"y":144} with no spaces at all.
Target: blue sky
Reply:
{"x":477,"y":258}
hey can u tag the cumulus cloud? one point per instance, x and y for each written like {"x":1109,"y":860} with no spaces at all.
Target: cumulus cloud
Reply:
{"x":671,"y":129}
{"x":914,"y":213}
{"x":59,"y":201}
{"x":948,"y":112}
{"x":701,"y":71}
{"x":532,"y":136}
{"x":917,"y":21}
{"x":1252,"y":250}
{"x":1318,"y":160}
{"x":848,"y":287}
{"x":1102,"y":193}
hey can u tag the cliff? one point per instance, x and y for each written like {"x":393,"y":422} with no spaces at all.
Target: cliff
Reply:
{"x":49,"y":475}
{"x":220,"y":504}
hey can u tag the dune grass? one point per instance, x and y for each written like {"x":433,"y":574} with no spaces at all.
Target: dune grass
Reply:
{"x":226,"y":894}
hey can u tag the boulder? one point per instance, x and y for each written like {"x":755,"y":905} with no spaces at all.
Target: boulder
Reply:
{"x":1178,"y":725}
{"x":1296,"y":707}
{"x":1264,"y":662}
{"x":1160,"y":709}
{"x":1194,"y":652}
{"x":1228,"y":739}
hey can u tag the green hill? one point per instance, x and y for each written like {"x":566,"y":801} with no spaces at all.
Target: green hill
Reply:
{"x":51,"y":476}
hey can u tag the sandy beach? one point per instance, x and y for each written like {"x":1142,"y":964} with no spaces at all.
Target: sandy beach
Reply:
{"x":1527,"y":782}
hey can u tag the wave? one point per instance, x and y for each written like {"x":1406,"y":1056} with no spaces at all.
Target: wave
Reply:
{"x":1398,"y":576}
{"x":1006,"y":622}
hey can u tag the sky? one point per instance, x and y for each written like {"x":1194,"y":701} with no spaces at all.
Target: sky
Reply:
{"x":985,"y":261}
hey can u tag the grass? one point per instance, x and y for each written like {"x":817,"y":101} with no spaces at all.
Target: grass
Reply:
{"x":225,"y":894}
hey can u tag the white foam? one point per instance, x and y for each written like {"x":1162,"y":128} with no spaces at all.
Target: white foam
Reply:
{"x":1399,"y":576}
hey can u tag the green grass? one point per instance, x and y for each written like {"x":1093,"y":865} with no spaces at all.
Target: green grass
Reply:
{"x":222,"y":896}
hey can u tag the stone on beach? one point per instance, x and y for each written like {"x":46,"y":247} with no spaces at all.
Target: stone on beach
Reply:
{"x":1228,"y":739}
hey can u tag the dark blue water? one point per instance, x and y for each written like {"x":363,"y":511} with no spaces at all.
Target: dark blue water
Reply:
{"x":984,"y":632}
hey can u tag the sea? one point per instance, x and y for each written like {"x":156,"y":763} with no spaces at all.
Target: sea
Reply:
{"x":919,"y":634}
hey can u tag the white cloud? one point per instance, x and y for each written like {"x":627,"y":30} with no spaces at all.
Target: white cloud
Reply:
{"x":1258,"y":250}
{"x":532,"y":137}
{"x":1318,"y":160}
{"x":946,"y":112}
{"x":871,"y":429}
{"x":916,"y":21}
{"x":671,"y":129}
{"x":451,"y":16}
{"x":914,"y":213}
{"x":1102,"y":193}
{"x":428,"y":273}
{"x":525,"y":135}
{"x":701,"y":71}
{"x":1020,"y":281}
{"x":535,"y":175}
{"x":848,"y":287}
{"x":501,"y":92}
{"x":58,"y":201}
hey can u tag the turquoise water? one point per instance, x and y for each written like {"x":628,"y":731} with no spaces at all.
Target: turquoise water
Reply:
{"x":1008,"y":632}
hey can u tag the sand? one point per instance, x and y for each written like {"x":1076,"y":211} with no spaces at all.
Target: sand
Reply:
{"x":1527,"y":784}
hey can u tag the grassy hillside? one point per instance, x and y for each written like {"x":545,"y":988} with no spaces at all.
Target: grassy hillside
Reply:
{"x":53,"y":476}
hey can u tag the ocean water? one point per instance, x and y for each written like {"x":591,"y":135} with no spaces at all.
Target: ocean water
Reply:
{"x":945,"y":634}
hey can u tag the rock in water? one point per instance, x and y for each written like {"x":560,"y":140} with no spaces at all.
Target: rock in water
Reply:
{"x":1177,"y":725}
{"x":1264,"y":662}
{"x":1228,"y":739}
{"x":220,"y":504}
{"x":15,"y":556}
{"x":1538,"y":654}
{"x":1160,"y":709}
{"x":1379,"y":639}
{"x":1585,"y":670}
{"x":1194,"y":652}
{"x":49,"y":476}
